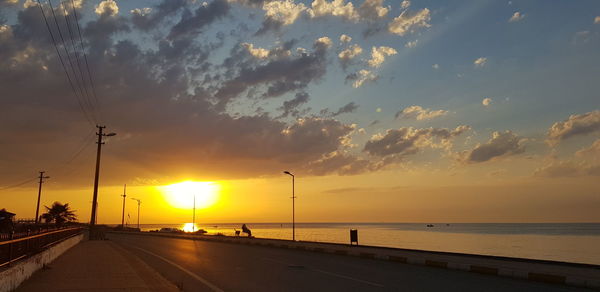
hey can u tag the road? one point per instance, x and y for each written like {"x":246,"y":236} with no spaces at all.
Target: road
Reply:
{"x":213,"y":266}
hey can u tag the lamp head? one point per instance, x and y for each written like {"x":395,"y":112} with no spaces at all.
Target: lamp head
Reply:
{"x":110,"y":134}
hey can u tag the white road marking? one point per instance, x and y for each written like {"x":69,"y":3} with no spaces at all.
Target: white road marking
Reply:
{"x":192,"y":274}
{"x":329,"y":273}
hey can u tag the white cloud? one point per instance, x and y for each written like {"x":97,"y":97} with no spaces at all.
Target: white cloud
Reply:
{"x":597,"y":20}
{"x":486,"y":101}
{"x":29,"y":3}
{"x":406,"y":23}
{"x":284,"y":12}
{"x":378,"y":55}
{"x":325,"y":41}
{"x":349,"y":53}
{"x":411,"y":44}
{"x":320,"y":8}
{"x":107,"y":7}
{"x":418,"y":113}
{"x":141,"y":11}
{"x":517,"y":16}
{"x":258,"y":53}
{"x":345,"y":38}
{"x":480,"y":62}
{"x":363,"y":76}
{"x":378,"y":110}
{"x":405,"y":4}
{"x":409,"y":141}
{"x":575,"y":125}
{"x":435,"y":66}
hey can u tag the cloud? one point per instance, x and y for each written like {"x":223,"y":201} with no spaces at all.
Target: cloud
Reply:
{"x":280,"y":13}
{"x":290,"y":107}
{"x":480,"y":62}
{"x":361,"y":77}
{"x":435,"y":66}
{"x":517,"y":16}
{"x":344,"y":38}
{"x":597,"y":20}
{"x":152,"y":17}
{"x":411,"y":44}
{"x":418,"y":113}
{"x":575,"y":125}
{"x":321,"y":8}
{"x":486,"y":101}
{"x":405,"y":4}
{"x":259,"y":53}
{"x":593,"y":150}
{"x":378,"y":55}
{"x":348,"y":108}
{"x":567,"y":169}
{"x":107,"y":8}
{"x":406,"y":23}
{"x":8,"y":2}
{"x":347,"y":55}
{"x":501,"y":144}
{"x":409,"y":141}
{"x":191,"y":24}
{"x":373,"y":10}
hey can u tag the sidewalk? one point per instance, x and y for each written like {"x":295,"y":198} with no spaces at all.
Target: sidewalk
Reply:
{"x":97,"y":266}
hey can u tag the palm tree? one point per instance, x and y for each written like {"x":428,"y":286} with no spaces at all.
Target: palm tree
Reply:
{"x":59,"y":213}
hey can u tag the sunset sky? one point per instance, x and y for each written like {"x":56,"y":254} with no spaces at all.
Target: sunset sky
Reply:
{"x":386,"y":111}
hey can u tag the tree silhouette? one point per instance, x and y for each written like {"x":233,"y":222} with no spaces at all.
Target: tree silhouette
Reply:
{"x":59,"y":214}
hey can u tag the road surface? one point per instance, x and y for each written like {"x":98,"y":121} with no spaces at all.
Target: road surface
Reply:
{"x":213,"y":266}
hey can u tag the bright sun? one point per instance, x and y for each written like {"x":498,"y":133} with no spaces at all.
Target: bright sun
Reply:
{"x":181,"y":195}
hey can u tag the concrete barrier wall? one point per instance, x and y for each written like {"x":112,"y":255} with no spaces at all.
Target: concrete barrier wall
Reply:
{"x":580,"y":275}
{"x":12,"y":277}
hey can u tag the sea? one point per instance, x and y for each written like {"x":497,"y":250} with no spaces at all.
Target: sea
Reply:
{"x":565,"y":242}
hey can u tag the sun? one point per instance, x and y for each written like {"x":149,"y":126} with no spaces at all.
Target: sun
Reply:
{"x":181,"y":195}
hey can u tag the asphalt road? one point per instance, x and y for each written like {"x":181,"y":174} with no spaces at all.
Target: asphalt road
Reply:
{"x":212,"y":266}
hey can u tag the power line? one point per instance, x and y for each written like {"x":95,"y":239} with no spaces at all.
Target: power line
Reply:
{"x":18,"y":184}
{"x":68,"y":23}
{"x":63,"y":64}
{"x":69,"y":58}
{"x":83,"y":51}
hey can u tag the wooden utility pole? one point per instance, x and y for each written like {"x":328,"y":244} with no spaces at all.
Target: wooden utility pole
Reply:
{"x":97,"y":176}
{"x":37,"y":209}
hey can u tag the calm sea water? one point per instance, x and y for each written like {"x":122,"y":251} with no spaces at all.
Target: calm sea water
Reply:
{"x":567,"y":242}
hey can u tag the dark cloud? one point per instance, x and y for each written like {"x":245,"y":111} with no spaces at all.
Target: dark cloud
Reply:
{"x":290,"y":107}
{"x":501,"y":144}
{"x":408,"y":141}
{"x":159,"y":97}
{"x":192,"y":23}
{"x":348,"y":108}
{"x":147,"y":20}
{"x":568,"y":169}
{"x":575,"y":125}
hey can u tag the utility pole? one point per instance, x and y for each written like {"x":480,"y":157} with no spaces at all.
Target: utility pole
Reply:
{"x":123,"y":215}
{"x":37,"y":209}
{"x":98,"y":154}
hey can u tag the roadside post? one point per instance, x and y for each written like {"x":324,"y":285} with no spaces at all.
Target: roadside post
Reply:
{"x":353,"y":236}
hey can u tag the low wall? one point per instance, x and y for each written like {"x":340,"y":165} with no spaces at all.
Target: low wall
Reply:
{"x":12,"y":277}
{"x":580,"y":275}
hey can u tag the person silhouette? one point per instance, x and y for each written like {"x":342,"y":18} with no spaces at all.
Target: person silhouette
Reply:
{"x":247,"y":230}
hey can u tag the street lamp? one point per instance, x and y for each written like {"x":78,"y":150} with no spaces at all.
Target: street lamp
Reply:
{"x":293,"y":206}
{"x":194,"y":215}
{"x":139,"y":203}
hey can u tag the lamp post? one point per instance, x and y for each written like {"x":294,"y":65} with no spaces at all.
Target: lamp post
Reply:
{"x":194,"y":215}
{"x":293,"y":206}
{"x":139,"y":203}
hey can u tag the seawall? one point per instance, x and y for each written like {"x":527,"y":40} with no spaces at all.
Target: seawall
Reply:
{"x":13,"y":276}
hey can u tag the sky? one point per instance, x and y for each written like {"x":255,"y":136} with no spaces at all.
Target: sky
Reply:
{"x":385,"y":111}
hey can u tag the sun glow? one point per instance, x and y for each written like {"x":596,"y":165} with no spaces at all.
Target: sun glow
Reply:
{"x":189,"y":227}
{"x":181,"y":195}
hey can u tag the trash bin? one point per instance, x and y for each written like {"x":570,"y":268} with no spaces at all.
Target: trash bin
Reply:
{"x":353,"y":236}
